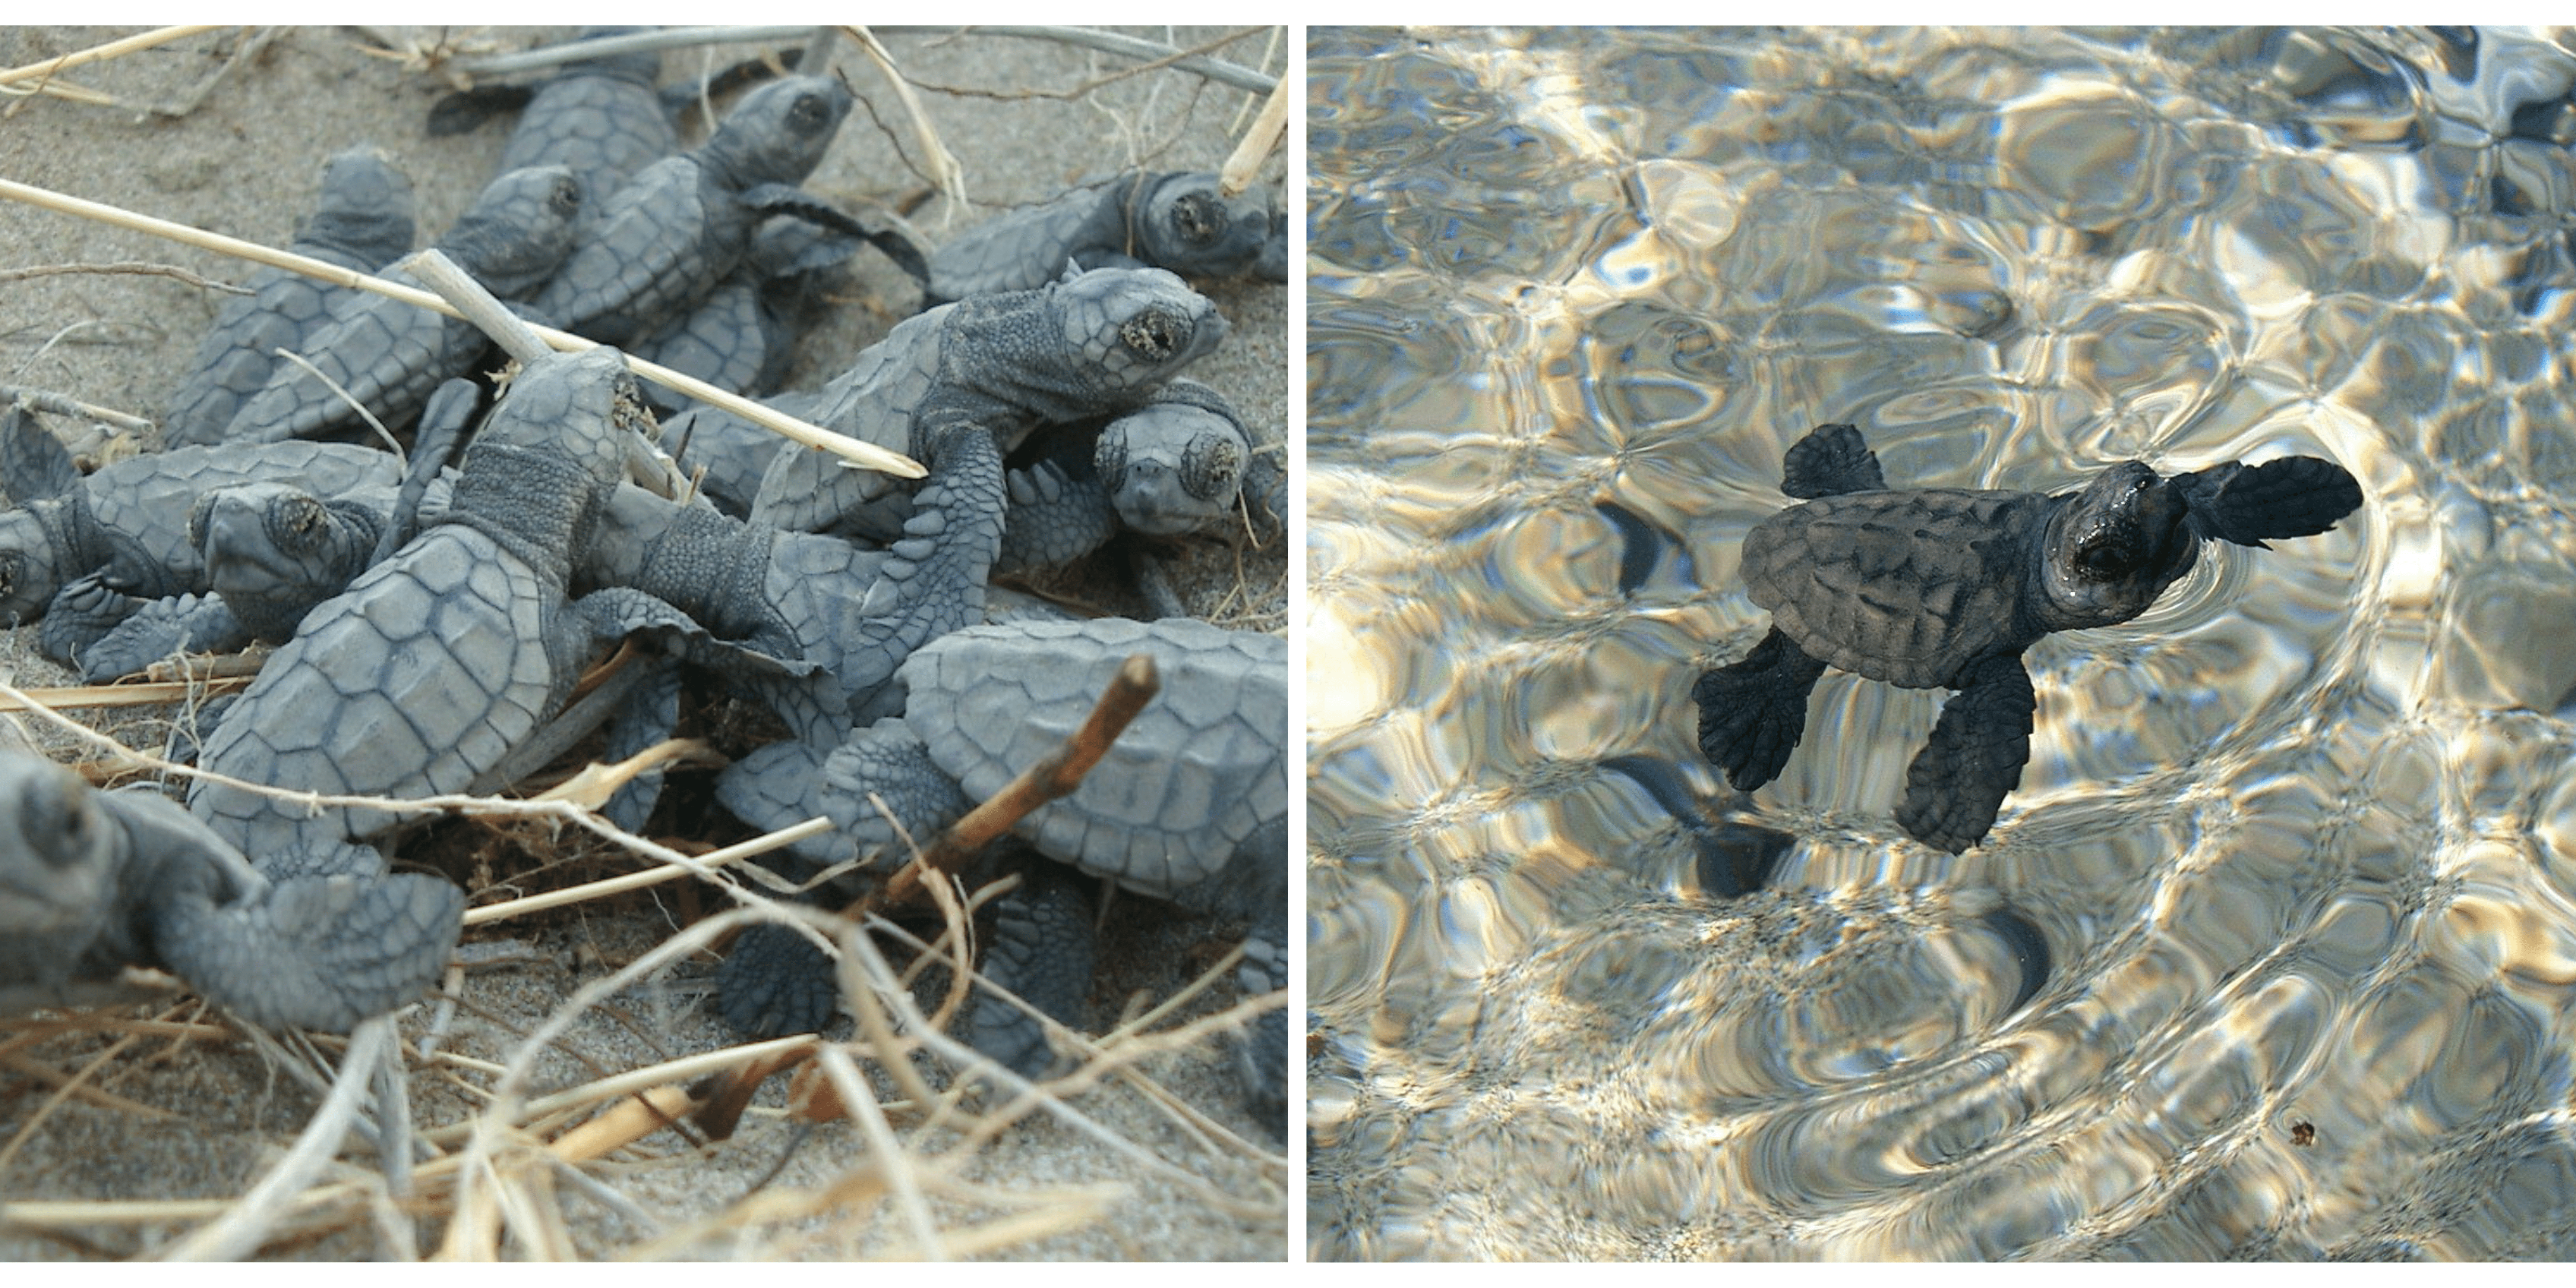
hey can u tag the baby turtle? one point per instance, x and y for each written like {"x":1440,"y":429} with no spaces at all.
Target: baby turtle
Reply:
{"x":1182,"y":222}
{"x":440,"y":663}
{"x":685,"y":222}
{"x":1943,"y":588}
{"x":1089,"y":344}
{"x":92,"y":882}
{"x":364,"y":222}
{"x":129,"y":521}
{"x":1190,"y":804}
{"x":389,"y":355}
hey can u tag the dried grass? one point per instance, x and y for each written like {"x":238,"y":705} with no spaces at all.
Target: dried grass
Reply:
{"x":559,"y":1143}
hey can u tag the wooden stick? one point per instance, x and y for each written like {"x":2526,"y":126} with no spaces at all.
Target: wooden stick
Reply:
{"x":121,"y":695}
{"x":1268,"y":130}
{"x":111,"y":49}
{"x":1054,"y":776}
{"x":475,"y":304}
{"x":638,"y":880}
{"x":861,"y":454}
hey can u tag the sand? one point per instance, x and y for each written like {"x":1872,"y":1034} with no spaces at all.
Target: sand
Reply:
{"x":204,"y":1115}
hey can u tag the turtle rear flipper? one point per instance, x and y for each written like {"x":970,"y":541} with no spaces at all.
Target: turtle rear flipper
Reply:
{"x":2299,"y":496}
{"x":1752,"y":712}
{"x":1042,"y":950}
{"x":1958,"y":782}
{"x":314,"y":952}
{"x":1829,"y":461}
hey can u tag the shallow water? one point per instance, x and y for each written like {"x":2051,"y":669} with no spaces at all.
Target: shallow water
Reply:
{"x":2272,"y":952}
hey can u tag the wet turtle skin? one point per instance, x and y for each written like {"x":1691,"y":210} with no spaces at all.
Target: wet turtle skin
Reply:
{"x":1946,"y":587}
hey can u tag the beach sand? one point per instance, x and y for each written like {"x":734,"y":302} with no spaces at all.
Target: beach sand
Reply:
{"x":201,"y":1114}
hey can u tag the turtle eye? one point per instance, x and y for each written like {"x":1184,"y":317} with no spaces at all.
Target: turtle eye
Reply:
{"x":1153,"y":334}
{"x":809,"y":114}
{"x":566,"y":198}
{"x":304,"y":516}
{"x":8,"y":573}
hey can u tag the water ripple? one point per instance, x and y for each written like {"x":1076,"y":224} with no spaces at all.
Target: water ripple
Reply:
{"x":2273,"y":951}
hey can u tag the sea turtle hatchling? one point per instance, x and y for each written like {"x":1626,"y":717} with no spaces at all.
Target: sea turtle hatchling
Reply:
{"x":442,"y":662}
{"x":388,"y":354}
{"x":362,"y":221}
{"x":1190,"y":805}
{"x":129,"y":521}
{"x":1178,"y":221}
{"x":1945,"y":587}
{"x":1086,"y":345}
{"x":92,"y":882}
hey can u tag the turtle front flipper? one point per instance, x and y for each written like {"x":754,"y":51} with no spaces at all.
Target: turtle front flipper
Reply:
{"x":84,"y":612}
{"x":1959,"y":780}
{"x":771,"y":199}
{"x":1042,"y":950}
{"x":2300,"y":496}
{"x":1752,"y":712}
{"x":199,"y":623}
{"x":1262,"y":1059}
{"x":316,"y":952}
{"x":1830,"y":461}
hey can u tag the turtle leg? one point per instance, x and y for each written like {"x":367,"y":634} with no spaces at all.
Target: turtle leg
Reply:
{"x":1830,"y":461}
{"x":82,"y":614}
{"x":1960,"y":778}
{"x":795,"y":202}
{"x":163,"y":627}
{"x":2298,"y":496}
{"x":1262,"y":1060}
{"x":314,"y":952}
{"x":1042,"y":950}
{"x":1752,"y":712}
{"x":776,"y":982}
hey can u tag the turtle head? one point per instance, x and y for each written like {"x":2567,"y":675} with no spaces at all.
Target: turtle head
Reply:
{"x":1189,"y":222}
{"x":1176,"y":464}
{"x":264,"y":539}
{"x":32,"y":554}
{"x":518,"y":231}
{"x":366,"y":206}
{"x":779,"y":132}
{"x":1134,"y":327}
{"x":57,"y":857}
{"x":2113,"y":547}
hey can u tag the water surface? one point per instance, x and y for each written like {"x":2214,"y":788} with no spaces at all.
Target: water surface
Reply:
{"x":2271,"y":954}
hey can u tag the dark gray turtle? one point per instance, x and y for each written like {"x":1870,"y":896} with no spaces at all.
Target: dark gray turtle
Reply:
{"x":1174,"y":221}
{"x":390,"y":355}
{"x":1943,"y":588}
{"x":685,"y":222}
{"x":1189,"y":805}
{"x":92,"y":882}
{"x":441,"y":662}
{"x":601,"y":118}
{"x":129,"y":521}
{"x":1182,"y":463}
{"x":363,"y":222}
{"x":1090,"y":344}
{"x":273,"y":552}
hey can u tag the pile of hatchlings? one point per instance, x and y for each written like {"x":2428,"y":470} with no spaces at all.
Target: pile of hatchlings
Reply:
{"x":440,"y":544}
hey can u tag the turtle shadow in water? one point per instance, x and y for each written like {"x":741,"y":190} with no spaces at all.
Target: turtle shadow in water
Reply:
{"x":1946,"y":587}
